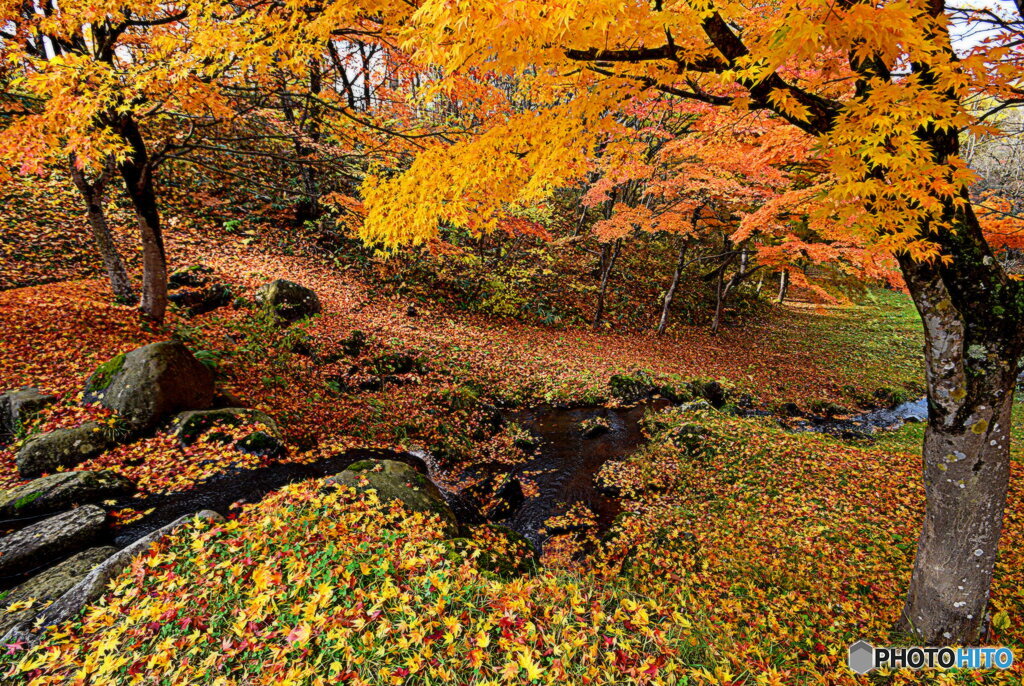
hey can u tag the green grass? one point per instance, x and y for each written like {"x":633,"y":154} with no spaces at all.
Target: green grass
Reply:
{"x":877,"y":344}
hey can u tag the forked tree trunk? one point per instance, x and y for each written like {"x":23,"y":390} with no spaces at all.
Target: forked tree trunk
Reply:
{"x":137,"y":172}
{"x":93,"y":195}
{"x":973,"y":341}
{"x":670,"y":294}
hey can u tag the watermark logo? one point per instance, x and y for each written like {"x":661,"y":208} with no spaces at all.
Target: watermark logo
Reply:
{"x":864,"y":657}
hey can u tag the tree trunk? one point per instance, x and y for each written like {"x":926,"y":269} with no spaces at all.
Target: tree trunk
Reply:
{"x":137,"y":172}
{"x":783,"y":286}
{"x":719,"y":298}
{"x":670,"y":294}
{"x":611,"y":253}
{"x":93,"y":195}
{"x":973,"y":340}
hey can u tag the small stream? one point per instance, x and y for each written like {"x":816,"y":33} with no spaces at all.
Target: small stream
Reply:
{"x":564,"y":467}
{"x":562,"y":470}
{"x":559,"y":473}
{"x":865,"y":424}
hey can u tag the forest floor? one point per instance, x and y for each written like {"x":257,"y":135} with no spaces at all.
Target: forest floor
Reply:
{"x":746,"y":554}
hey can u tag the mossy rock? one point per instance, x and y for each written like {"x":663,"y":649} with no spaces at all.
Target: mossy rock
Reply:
{"x":288,"y":300}
{"x":827,"y":408}
{"x":395,"y":363}
{"x":49,"y":586}
{"x":676,"y":393}
{"x":594,"y":427}
{"x":61,"y":448}
{"x":202,"y":300}
{"x":393,"y":480}
{"x":189,"y":426}
{"x":194,"y":276}
{"x":715,"y":392}
{"x":518,"y":558}
{"x":632,"y":387}
{"x":690,"y":437}
{"x":62,"y":491}
{"x":104,"y":375}
{"x":17,"y":408}
{"x":43,"y":542}
{"x":261,"y":444}
{"x":354,"y":344}
{"x":892,"y":397}
{"x":150,"y":383}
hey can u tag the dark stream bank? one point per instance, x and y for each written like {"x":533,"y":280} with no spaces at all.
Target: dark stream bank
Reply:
{"x":562,"y":469}
{"x":560,"y":472}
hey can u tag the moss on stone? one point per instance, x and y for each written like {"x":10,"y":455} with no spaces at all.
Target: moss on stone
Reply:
{"x":26,"y":499}
{"x":104,"y":374}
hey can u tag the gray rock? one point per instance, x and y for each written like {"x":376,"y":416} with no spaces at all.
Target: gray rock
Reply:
{"x":394,"y":480}
{"x":95,"y":583}
{"x":696,"y":406}
{"x":150,"y":383}
{"x":17,"y":407}
{"x":50,"y":585}
{"x":52,"y":450}
{"x":288,"y":300}
{"x":38,"y":544}
{"x":61,"y":491}
{"x":189,"y":426}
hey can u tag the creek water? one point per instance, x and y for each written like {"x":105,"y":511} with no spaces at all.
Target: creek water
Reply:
{"x":562,"y":471}
{"x":565,"y":464}
{"x":865,"y":424}
{"x":558,"y":474}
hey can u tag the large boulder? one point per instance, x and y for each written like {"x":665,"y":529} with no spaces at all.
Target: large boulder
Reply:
{"x":505,"y":553}
{"x":62,"y":491}
{"x":189,"y":426}
{"x":630,"y":388}
{"x":218,"y":424}
{"x":17,"y":407}
{"x":38,"y":544}
{"x":53,"y":450}
{"x":394,"y":480}
{"x":150,"y":383}
{"x":46,"y":587}
{"x":288,"y":300}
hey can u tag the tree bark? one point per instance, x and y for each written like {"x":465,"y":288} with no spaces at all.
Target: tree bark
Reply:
{"x":611,"y":253}
{"x":137,"y":172}
{"x":972,"y":318}
{"x":783,"y":286}
{"x":670,"y":294}
{"x":93,"y":195}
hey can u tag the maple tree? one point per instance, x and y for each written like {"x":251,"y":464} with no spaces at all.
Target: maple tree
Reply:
{"x":751,"y":141}
{"x":103,"y":85}
{"x":883,"y":88}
